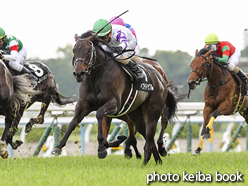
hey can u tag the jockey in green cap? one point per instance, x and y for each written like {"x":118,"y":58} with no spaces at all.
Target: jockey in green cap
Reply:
{"x":119,"y":38}
{"x":227,"y":55}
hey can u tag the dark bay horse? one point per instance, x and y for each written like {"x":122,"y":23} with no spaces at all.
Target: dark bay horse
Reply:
{"x":105,"y":87}
{"x":48,"y":92}
{"x":14,"y":93}
{"x":222,"y":94}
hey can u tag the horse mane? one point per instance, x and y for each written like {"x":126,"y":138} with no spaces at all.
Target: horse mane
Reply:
{"x":87,"y":34}
{"x":203,"y":51}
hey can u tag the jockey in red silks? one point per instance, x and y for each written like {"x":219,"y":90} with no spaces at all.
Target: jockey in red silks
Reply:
{"x":227,"y":55}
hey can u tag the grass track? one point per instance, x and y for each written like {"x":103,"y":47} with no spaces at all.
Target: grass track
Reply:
{"x":116,"y":170}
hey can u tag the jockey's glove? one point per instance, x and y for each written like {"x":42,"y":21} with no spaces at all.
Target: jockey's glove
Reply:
{"x":216,"y":59}
{"x":117,"y":49}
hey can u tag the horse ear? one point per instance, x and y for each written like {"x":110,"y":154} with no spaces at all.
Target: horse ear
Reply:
{"x":76,"y":37}
{"x":196,"y":52}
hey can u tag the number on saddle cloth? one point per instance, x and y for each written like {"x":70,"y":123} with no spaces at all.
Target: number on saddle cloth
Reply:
{"x":37,"y":70}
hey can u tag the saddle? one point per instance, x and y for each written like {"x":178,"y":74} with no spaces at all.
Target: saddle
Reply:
{"x":144,"y":84}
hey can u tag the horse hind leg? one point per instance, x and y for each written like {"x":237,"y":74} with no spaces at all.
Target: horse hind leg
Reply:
{"x":161,"y":149}
{"x":39,"y":119}
{"x":131,"y":141}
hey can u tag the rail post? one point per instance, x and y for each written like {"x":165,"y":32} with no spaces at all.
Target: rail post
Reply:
{"x":114,"y":132}
{"x":82,"y":139}
{"x":173,"y":139}
{"x":235,"y":135}
{"x":189,"y":135}
{"x":42,"y":140}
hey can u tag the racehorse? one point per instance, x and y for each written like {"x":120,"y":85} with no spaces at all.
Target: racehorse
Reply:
{"x":14,"y":93}
{"x":48,"y":92}
{"x":105,"y":87}
{"x":223,"y":93}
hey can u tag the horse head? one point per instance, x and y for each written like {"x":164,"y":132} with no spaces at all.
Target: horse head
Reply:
{"x":199,"y":66}
{"x":84,"y":55}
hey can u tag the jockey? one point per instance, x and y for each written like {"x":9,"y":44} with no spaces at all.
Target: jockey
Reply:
{"x":119,"y":21}
{"x":228,"y":55}
{"x":15,"y":52}
{"x":119,"y":38}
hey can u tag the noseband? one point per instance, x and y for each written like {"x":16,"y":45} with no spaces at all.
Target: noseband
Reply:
{"x":92,"y":60}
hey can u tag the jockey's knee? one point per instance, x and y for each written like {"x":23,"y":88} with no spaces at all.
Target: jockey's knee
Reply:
{"x":15,"y":66}
{"x":136,"y":59}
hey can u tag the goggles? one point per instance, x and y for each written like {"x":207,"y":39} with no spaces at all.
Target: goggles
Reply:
{"x":211,"y":47}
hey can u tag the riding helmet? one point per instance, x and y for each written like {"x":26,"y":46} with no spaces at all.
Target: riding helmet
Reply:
{"x":211,"y":39}
{"x":2,"y":33}
{"x":99,"y":24}
{"x":117,"y":21}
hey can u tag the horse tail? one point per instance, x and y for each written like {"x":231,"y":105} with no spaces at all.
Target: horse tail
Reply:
{"x":172,"y":100}
{"x":23,"y":90}
{"x":170,"y":108}
{"x":62,"y":100}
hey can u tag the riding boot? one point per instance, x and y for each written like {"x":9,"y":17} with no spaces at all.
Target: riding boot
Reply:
{"x":26,"y":71}
{"x":243,"y":77}
{"x":136,"y":70}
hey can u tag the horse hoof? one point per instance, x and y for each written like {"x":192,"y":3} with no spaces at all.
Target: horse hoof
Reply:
{"x":5,"y":156}
{"x":128,"y":155}
{"x":162,"y":152}
{"x":56,"y":151}
{"x":121,"y":138}
{"x":102,"y":154}
{"x":138,"y":156}
{"x":206,"y":136}
{"x":197,"y":151}
{"x":18,"y":143}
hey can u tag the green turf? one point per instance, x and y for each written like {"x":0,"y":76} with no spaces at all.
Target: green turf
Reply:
{"x":116,"y":170}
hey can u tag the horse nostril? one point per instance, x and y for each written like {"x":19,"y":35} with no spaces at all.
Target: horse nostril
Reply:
{"x":78,"y":73}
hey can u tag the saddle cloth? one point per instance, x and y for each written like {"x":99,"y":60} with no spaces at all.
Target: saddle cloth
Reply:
{"x":243,"y":92}
{"x":145,"y":84}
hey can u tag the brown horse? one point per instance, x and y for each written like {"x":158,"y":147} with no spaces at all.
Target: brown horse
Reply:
{"x":46,"y":92}
{"x":15,"y":92}
{"x":222,"y":94}
{"x":105,"y":87}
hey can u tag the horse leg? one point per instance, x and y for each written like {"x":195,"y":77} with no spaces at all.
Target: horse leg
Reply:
{"x":82,"y":110}
{"x":109,"y":108}
{"x":161,"y":149}
{"x":13,"y":129}
{"x":40,"y":118}
{"x":150,"y":146}
{"x":131,"y":140}
{"x":106,"y":121}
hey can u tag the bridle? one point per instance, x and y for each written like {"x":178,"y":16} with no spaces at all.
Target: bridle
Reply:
{"x":92,"y":60}
{"x":207,"y":64}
